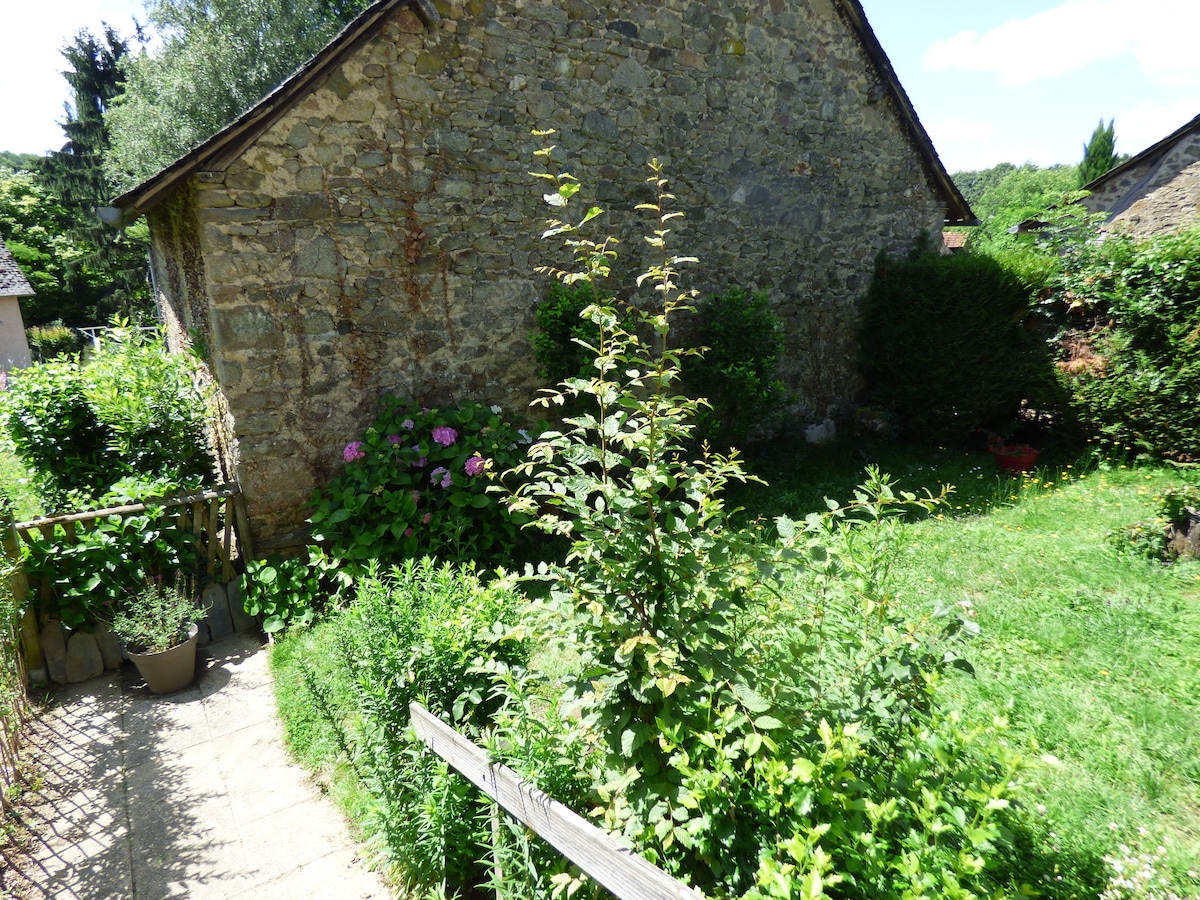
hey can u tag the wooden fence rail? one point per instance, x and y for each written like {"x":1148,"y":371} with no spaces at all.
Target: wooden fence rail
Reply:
{"x":216,"y":519}
{"x":623,"y":872}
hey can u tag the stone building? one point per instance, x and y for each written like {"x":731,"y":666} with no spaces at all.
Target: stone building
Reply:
{"x":14,"y":348}
{"x":1155,"y":192}
{"x":371,"y":225}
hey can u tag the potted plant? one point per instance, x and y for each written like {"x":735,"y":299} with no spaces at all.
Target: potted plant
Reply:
{"x":159,"y":627}
{"x":1012,"y":457}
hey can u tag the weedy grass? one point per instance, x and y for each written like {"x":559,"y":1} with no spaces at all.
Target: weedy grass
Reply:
{"x":1092,"y":653}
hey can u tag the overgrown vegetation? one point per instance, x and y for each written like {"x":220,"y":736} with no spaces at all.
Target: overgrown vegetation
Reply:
{"x":761,"y":717}
{"x":1129,"y":314}
{"x":131,"y":410}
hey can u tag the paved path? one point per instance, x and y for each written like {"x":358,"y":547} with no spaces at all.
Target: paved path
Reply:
{"x":184,"y":795}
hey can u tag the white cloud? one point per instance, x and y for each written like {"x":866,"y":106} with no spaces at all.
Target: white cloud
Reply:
{"x":1159,"y":34}
{"x":1147,"y":124}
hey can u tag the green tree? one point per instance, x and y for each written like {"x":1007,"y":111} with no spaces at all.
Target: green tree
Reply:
{"x":1099,"y":153}
{"x":18,"y":161}
{"x":75,"y":175}
{"x":37,"y":229}
{"x":218,"y":57}
{"x":974,"y":183}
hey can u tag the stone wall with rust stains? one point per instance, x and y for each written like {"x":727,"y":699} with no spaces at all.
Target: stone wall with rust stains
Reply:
{"x":383,"y":234}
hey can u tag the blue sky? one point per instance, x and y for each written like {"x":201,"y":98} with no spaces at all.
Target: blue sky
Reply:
{"x":992,"y":80}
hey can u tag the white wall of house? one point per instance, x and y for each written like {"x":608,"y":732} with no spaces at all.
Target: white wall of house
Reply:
{"x":14,"y":349}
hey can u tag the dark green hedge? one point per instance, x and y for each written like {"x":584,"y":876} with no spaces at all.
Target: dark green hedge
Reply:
{"x":948,"y":345}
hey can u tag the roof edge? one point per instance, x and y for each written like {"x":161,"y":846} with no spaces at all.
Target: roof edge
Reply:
{"x":1155,"y":149}
{"x":255,"y":120}
{"x":958,"y":211}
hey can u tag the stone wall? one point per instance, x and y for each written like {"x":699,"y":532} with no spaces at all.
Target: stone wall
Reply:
{"x":382,"y":235}
{"x":1165,"y":193}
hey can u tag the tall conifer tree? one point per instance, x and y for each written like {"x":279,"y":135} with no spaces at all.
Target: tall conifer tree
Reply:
{"x":1099,"y":153}
{"x":75,"y":174}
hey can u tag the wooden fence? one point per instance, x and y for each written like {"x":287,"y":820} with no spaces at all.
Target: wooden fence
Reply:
{"x":14,"y":699}
{"x":624,"y":873}
{"x":216,"y":519}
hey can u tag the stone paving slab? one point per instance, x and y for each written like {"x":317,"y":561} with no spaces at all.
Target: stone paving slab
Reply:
{"x":185,"y":795}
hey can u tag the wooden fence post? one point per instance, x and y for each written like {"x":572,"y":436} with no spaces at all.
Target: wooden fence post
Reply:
{"x":35,"y":665}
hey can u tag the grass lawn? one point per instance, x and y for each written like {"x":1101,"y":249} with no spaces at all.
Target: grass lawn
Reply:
{"x":1092,"y":654}
{"x":1092,"y":657}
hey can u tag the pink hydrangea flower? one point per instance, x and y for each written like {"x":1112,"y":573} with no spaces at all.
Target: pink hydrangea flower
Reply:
{"x":425,"y":519}
{"x":416,"y":495}
{"x":353,"y":451}
{"x":445,"y":435}
{"x":408,"y":532}
{"x":475,"y":465}
{"x":395,"y":439}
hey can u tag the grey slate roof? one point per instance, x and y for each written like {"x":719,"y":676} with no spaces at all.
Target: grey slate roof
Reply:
{"x":13,"y":282}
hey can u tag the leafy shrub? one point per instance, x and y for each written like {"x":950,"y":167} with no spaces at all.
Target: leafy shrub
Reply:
{"x":89,"y":576}
{"x":945,"y":345}
{"x":159,"y":616}
{"x":149,"y":400}
{"x":292,"y":591}
{"x":726,"y":730}
{"x":744,"y":340}
{"x":132,"y":410}
{"x":434,"y":634}
{"x":56,"y":432}
{"x":52,"y":340}
{"x":416,"y":484}
{"x":1145,"y":297}
{"x":559,"y":329}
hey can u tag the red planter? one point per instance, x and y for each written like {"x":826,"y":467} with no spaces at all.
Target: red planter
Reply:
{"x":1015,"y":459}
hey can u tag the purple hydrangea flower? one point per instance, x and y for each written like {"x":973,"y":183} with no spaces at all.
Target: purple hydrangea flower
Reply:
{"x":395,"y":439}
{"x":445,"y":435}
{"x":437,"y":474}
{"x":408,"y":532}
{"x":353,"y":451}
{"x":475,"y":465}
{"x":408,"y":424}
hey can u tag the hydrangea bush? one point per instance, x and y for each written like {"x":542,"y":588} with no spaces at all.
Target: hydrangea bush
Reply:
{"x":415,"y":484}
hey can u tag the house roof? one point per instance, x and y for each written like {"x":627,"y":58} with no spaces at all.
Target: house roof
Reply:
{"x":1152,"y":156}
{"x":224,"y":146}
{"x":13,"y":282}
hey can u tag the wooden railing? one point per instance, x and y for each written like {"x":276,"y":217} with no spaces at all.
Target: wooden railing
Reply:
{"x":626,"y":875}
{"x":216,"y":518}
{"x":14,"y":699}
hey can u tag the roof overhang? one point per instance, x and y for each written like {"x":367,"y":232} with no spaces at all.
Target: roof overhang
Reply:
{"x":958,"y":211}
{"x":222,"y":148}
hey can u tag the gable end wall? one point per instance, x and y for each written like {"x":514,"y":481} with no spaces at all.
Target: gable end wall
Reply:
{"x":381,"y":236}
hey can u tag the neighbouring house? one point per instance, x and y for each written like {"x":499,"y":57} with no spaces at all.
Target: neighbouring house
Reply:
{"x":371,"y":226}
{"x":1155,"y":192}
{"x":14,"y":348}
{"x":954,"y":241}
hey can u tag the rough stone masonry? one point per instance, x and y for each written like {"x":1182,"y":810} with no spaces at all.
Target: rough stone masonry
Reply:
{"x":382,"y":234}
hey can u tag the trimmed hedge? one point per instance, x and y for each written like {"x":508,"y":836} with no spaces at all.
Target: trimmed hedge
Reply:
{"x":948,"y":344}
